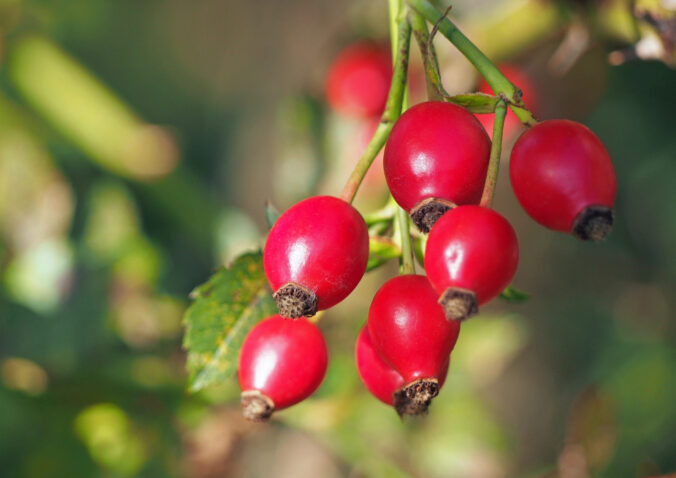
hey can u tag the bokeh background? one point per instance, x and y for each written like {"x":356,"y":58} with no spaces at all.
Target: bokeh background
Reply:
{"x":138,"y":143}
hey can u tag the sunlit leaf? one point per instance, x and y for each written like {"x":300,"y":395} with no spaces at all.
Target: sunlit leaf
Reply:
{"x":475,"y":102}
{"x":232,"y":301}
{"x":86,"y":112}
{"x":511,"y":294}
{"x":111,"y":439}
{"x":40,"y":277}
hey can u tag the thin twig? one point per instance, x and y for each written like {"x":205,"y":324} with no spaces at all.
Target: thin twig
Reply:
{"x":390,"y":115}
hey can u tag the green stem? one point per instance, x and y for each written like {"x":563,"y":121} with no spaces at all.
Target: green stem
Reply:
{"x":498,"y":82}
{"x":401,"y":220}
{"x":494,"y":161}
{"x":392,"y":112}
{"x":435,"y":89}
{"x":402,"y":224}
{"x":394,"y":10}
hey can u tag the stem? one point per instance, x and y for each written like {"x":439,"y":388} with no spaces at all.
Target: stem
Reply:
{"x":494,"y":160}
{"x":401,"y":220}
{"x":435,"y":89}
{"x":390,"y":115}
{"x":498,"y":82}
{"x":402,"y":223}
{"x":394,"y":9}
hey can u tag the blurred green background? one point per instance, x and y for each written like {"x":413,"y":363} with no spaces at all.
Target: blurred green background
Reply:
{"x":138,"y":143}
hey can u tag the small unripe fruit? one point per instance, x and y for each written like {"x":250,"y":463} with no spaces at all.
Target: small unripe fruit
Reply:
{"x":529,"y":95}
{"x":281,"y":363}
{"x":563,"y":177}
{"x":377,"y":375}
{"x":436,"y":157}
{"x":409,"y":330}
{"x":470,"y":257}
{"x":315,"y":255}
{"x":358,"y":81}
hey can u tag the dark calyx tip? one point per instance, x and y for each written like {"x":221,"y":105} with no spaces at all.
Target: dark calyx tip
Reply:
{"x":428,"y":211}
{"x":256,"y":407}
{"x":415,"y":397}
{"x":295,"y":300}
{"x":593,"y":223}
{"x":458,"y":303}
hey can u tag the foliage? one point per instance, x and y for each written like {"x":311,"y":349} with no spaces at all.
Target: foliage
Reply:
{"x":232,"y":301}
{"x":92,"y":380}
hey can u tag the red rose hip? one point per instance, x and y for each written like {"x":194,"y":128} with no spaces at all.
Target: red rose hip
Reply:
{"x":281,"y":363}
{"x":436,"y":157}
{"x":358,"y":81}
{"x":562,"y":175}
{"x":470,"y":257}
{"x":409,"y":330}
{"x":315,"y":255}
{"x":377,"y":375}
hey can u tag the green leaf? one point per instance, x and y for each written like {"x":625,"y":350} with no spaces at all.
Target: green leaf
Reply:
{"x":226,"y":307}
{"x":271,"y":214}
{"x":381,"y":250}
{"x":510,"y":294}
{"x":475,"y":102}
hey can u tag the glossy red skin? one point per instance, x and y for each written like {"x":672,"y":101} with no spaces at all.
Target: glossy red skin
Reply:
{"x":436,"y":149}
{"x":559,"y":167}
{"x":529,"y":95}
{"x":321,"y":243}
{"x":359,"y":80}
{"x":409,"y":329}
{"x":284,"y":359}
{"x":377,"y":375}
{"x":474,"y":248}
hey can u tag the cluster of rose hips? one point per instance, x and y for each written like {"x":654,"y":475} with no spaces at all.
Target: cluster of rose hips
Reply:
{"x":435,"y":165}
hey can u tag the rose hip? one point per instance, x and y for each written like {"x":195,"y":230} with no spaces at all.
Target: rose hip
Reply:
{"x":358,"y":81}
{"x":436,"y":157}
{"x":409,"y":330}
{"x":315,"y":255}
{"x":470,"y":257}
{"x":562,"y":175}
{"x":377,"y":375}
{"x":281,"y":363}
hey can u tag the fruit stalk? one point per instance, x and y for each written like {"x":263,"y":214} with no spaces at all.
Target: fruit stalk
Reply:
{"x":402,"y":223}
{"x":390,"y":115}
{"x":435,"y":89}
{"x":494,"y":160}
{"x":498,"y":82}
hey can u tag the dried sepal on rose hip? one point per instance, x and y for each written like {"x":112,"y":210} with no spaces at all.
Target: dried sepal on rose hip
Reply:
{"x":281,"y":363}
{"x":435,"y":158}
{"x":470,"y":257}
{"x":315,"y":255}
{"x":358,"y":80}
{"x":563,"y":177}
{"x":409,"y":330}
{"x":378,"y":376}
